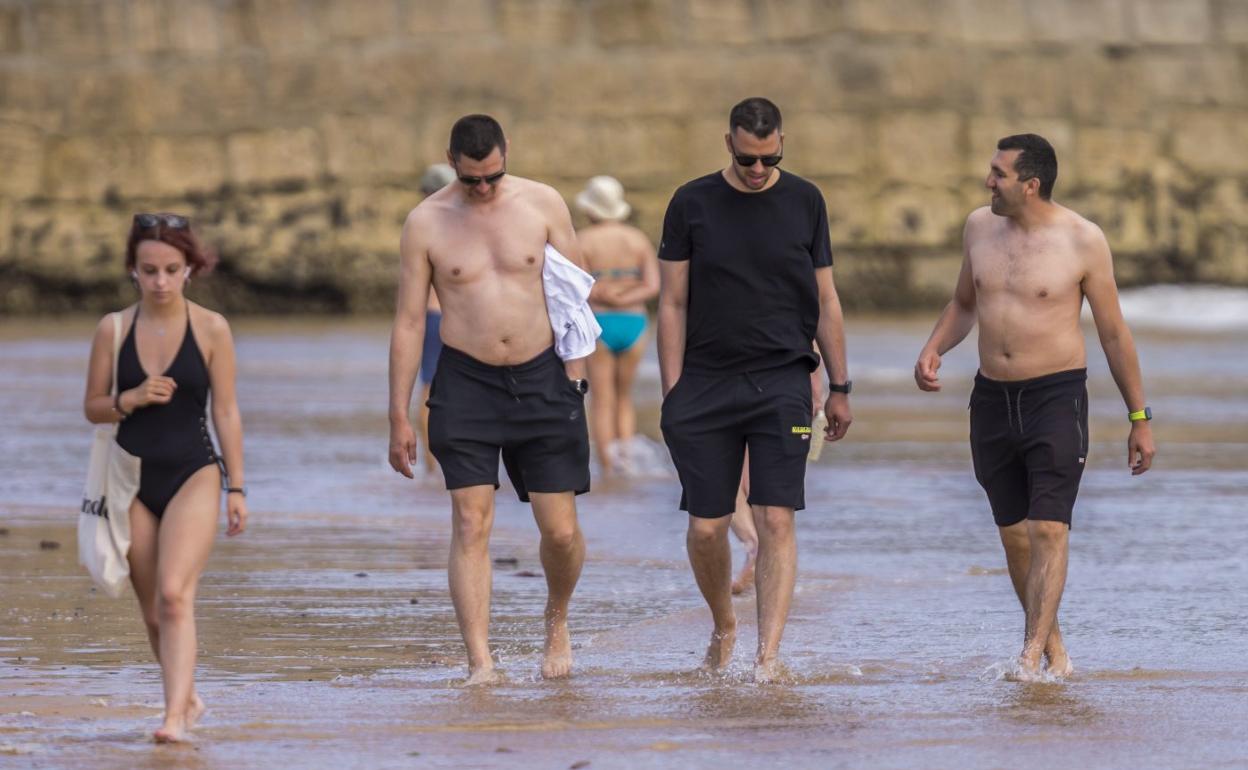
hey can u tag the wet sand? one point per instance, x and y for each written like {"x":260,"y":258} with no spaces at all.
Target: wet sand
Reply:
{"x":327,"y":637}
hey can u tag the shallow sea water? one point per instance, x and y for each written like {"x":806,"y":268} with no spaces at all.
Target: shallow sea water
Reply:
{"x":328,"y":639}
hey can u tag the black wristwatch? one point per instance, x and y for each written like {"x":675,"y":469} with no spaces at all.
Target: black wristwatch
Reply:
{"x":581,"y":385}
{"x":240,"y":490}
{"x":846,"y":388}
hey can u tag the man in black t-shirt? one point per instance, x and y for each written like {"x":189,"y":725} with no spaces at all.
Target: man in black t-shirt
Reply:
{"x":746,"y":268}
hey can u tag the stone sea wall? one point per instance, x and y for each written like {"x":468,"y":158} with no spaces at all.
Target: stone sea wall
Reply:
{"x":294,"y":131}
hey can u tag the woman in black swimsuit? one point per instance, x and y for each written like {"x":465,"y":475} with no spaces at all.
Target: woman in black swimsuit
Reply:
{"x":173,"y":354}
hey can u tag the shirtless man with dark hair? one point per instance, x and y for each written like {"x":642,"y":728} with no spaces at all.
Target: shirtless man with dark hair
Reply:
{"x":500,"y":388}
{"x":1028,"y":265}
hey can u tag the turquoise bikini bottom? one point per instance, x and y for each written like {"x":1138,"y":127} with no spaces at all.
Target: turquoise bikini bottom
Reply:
{"x":620,"y":331}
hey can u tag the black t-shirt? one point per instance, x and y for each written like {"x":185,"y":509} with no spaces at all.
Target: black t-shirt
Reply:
{"x":753,"y":302}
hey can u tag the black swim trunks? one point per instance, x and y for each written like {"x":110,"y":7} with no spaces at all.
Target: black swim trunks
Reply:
{"x":531,"y":413}
{"x":1029,"y":442}
{"x":709,"y":419}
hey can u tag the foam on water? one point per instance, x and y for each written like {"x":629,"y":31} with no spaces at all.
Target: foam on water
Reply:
{"x":1186,"y":308}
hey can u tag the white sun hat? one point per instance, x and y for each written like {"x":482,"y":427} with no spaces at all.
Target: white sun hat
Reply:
{"x":603,"y":198}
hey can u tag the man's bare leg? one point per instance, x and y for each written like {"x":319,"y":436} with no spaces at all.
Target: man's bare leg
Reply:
{"x":563,"y":553}
{"x":743,"y":527}
{"x":711,"y":559}
{"x":776,"y":576}
{"x":1018,"y":559}
{"x":469,"y":574}
{"x":1046,"y":579}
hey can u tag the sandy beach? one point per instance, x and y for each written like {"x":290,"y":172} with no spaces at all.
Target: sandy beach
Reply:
{"x":327,"y":638}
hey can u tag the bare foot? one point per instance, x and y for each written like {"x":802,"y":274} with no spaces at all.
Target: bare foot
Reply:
{"x":719,"y":651}
{"x":483,"y":676}
{"x":766,"y":671}
{"x":557,"y":658}
{"x":745,"y":580}
{"x":1059,"y":664}
{"x":172,"y":731}
{"x":1028,"y":669}
{"x":194,"y":711}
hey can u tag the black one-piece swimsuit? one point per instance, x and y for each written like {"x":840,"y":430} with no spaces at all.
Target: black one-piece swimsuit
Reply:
{"x":171,"y":440}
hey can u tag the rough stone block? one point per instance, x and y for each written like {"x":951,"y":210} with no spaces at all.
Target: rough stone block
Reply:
{"x":181,"y":164}
{"x":1012,"y":84}
{"x":1103,"y":87}
{"x":936,"y":274}
{"x":1212,"y":142}
{"x":703,"y":148}
{"x":147,"y":24}
{"x":632,"y":22}
{"x":279,"y":26}
{"x":922,"y":147}
{"x":471,"y":19}
{"x":359,"y":21}
{"x":86,"y":168}
{"x":720,"y":21}
{"x":991,"y":23}
{"x":223,"y":93}
{"x":477,"y":83}
{"x":904,"y":17}
{"x":67,"y":240}
{"x":1104,"y":156}
{"x":311,"y":85}
{"x":1195,"y":77}
{"x":69,"y":29}
{"x":850,"y":212}
{"x":195,"y":28}
{"x":799,"y":19}
{"x":1079,"y":21}
{"x":1172,"y":21}
{"x":827,"y":144}
{"x":538,"y":22}
{"x":914,"y":215}
{"x":275,"y":155}
{"x":927,"y":76}
{"x":21,"y":157}
{"x":372,"y":147}
{"x":1231,"y":20}
{"x":12,"y":39}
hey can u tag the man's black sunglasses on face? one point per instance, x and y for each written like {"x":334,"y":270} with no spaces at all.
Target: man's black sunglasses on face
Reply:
{"x":770,"y":161}
{"x":473,"y":181}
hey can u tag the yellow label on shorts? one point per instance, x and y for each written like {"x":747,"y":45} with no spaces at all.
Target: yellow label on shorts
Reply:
{"x":800,"y":429}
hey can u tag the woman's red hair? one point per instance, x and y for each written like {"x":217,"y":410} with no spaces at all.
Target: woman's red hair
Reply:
{"x":199,"y":257}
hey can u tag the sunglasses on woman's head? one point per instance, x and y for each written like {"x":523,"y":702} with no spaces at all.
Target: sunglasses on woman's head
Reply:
{"x":171,"y":221}
{"x":473,"y":181}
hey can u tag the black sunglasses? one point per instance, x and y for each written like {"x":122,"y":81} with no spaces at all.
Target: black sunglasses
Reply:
{"x":770,"y":161}
{"x":473,"y":181}
{"x":171,"y":221}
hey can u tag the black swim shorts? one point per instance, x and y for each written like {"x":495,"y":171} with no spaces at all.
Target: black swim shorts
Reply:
{"x":1029,"y":442}
{"x":707,"y":422}
{"x":531,"y":413}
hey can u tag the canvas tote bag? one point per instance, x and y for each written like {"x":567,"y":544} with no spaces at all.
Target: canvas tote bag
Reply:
{"x":112,"y":482}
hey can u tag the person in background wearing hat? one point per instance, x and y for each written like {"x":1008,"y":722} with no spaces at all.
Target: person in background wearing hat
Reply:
{"x":436,"y":177}
{"x":623,"y":263}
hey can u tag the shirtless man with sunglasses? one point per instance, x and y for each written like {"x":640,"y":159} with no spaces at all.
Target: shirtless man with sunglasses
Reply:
{"x":499,"y":388}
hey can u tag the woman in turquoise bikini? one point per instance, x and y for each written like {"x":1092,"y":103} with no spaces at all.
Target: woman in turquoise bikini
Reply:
{"x":623,"y":261}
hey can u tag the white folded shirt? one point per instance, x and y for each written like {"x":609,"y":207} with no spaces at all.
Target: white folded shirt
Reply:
{"x":567,"y":303}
